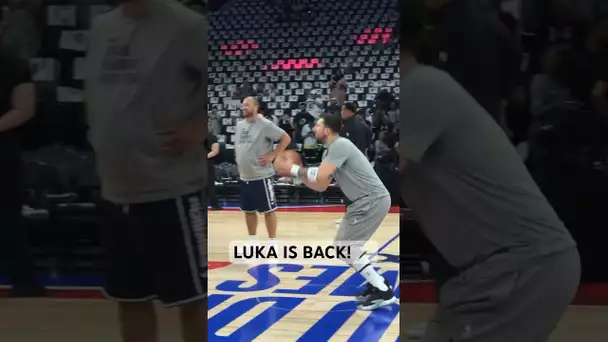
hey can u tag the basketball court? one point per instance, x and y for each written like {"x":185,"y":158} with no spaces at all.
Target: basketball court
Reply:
{"x":261,"y":303}
{"x":296,"y":302}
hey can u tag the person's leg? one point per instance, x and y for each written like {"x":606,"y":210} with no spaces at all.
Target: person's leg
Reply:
{"x":211,"y":191}
{"x":138,"y":322}
{"x":193,"y":318}
{"x":249,"y":205}
{"x":268,"y":205}
{"x":180,"y":262}
{"x":14,"y":244}
{"x":251,"y":220}
{"x":524,"y":304}
{"x":357,"y":227}
{"x":127,"y":279}
{"x":15,"y":252}
{"x":270,"y":218}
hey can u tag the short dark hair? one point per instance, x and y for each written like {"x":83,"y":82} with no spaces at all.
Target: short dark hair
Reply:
{"x":351,"y":107}
{"x":332,"y":121}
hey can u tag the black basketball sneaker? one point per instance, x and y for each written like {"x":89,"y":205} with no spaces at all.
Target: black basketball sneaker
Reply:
{"x":373,"y":298}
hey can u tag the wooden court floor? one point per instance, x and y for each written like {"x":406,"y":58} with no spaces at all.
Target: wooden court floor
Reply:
{"x":246,"y":292}
{"x":324,"y":312}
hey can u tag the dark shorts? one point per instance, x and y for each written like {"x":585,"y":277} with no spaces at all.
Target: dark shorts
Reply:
{"x":156,"y":250}
{"x":258,"y":196}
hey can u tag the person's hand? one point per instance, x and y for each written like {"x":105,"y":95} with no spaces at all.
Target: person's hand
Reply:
{"x":283,"y":167}
{"x":182,"y":138}
{"x":267,"y":159}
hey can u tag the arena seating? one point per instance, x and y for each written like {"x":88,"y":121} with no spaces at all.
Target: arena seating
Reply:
{"x":249,"y":45}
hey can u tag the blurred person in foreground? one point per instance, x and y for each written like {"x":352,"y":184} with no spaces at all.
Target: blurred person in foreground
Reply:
{"x":17,"y":108}
{"x":146,"y":101}
{"x":517,"y":266}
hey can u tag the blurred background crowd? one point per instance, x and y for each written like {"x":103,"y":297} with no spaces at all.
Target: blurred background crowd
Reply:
{"x":540,"y":68}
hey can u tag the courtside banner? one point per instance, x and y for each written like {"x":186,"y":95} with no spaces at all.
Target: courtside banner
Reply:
{"x":300,"y":252}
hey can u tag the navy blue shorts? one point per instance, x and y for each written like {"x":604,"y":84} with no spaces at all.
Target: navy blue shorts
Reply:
{"x":258,"y":196}
{"x":156,"y":250}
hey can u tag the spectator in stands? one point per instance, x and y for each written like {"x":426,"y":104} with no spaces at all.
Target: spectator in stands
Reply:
{"x":338,"y":86}
{"x":304,"y":123}
{"x":148,"y":127}
{"x":386,"y":163}
{"x":551,"y":88}
{"x":271,"y":91}
{"x":213,"y":148}
{"x":354,"y":128}
{"x":214,"y":121}
{"x":393,"y":112}
{"x":478,"y":51}
{"x":598,"y":63}
{"x":244,"y":91}
{"x":17,"y":107}
{"x":334,"y":107}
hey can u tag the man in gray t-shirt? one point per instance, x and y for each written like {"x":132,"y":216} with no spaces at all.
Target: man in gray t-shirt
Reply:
{"x":254,"y":140}
{"x":476,"y":202}
{"x":371,"y":201}
{"x":145,"y":95}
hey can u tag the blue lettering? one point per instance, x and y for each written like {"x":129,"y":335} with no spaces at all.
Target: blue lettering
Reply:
{"x":256,"y":326}
{"x":217,"y":299}
{"x":329,"y":324}
{"x":264,"y":278}
{"x":376,"y":324}
{"x":316,"y":283}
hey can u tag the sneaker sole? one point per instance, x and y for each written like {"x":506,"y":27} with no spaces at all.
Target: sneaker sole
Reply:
{"x":361,"y":298}
{"x":377,"y":304}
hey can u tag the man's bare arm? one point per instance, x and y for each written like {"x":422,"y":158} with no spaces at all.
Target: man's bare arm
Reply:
{"x":23,"y":103}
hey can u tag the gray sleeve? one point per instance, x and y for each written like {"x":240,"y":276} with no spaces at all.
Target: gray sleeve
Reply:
{"x":272,"y":131}
{"x":426,"y":110}
{"x":338,"y":153}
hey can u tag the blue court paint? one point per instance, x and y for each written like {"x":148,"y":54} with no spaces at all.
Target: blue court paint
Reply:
{"x":264,"y":278}
{"x":217,"y":299}
{"x":383,"y":258}
{"x":330,"y":323}
{"x":255,"y":327}
{"x":375,"y":325}
{"x":316,"y":283}
{"x":372,"y":329}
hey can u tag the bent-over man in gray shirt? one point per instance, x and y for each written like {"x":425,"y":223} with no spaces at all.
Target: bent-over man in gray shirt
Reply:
{"x":518,"y":266}
{"x":371,"y":202}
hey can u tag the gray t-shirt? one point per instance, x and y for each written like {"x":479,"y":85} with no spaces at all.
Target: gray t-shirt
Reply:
{"x":251,"y":141}
{"x":142,"y":77}
{"x":354,"y":173}
{"x":465,"y":182}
